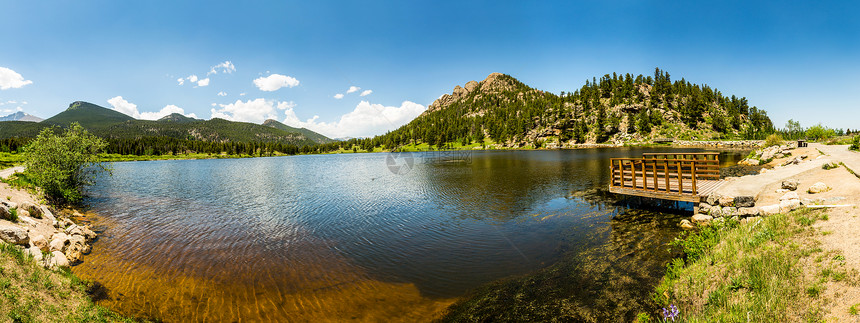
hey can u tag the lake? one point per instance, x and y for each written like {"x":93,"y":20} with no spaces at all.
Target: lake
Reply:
{"x":368,"y":237}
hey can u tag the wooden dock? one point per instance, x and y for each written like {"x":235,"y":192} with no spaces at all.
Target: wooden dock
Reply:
{"x":678,"y":177}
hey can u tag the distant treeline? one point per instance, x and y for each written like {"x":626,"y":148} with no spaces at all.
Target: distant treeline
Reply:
{"x":172,"y":146}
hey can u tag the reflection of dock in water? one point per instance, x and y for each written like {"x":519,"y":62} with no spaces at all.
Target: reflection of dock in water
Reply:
{"x":678,"y":177}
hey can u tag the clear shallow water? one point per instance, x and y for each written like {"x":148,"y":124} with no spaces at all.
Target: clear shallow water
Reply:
{"x":338,"y":237}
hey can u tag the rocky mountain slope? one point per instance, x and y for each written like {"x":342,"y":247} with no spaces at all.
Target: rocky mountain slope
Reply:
{"x":614,"y":109}
{"x":21,"y":116}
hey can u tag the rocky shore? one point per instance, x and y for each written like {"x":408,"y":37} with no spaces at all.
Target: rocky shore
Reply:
{"x":743,"y":198}
{"x":51,"y":238}
{"x":720,"y":144}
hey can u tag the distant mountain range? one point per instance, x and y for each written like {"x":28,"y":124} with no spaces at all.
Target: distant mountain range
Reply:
{"x":110,"y":124}
{"x":21,"y":116}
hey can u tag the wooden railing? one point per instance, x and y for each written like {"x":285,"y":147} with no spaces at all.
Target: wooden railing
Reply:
{"x":665,"y":173}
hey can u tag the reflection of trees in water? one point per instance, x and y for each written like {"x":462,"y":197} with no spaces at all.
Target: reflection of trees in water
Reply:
{"x":611,"y":281}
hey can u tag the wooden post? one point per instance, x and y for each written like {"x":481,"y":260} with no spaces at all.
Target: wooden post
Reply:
{"x":654,"y":169}
{"x":666,"y":174}
{"x":680,"y":178}
{"x":693,"y":176}
{"x":633,"y":171}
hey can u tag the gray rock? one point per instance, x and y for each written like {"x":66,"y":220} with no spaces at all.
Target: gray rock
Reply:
{"x":39,"y":241}
{"x":5,"y":214}
{"x":9,"y":204}
{"x":729,"y":211}
{"x":59,"y":242}
{"x":727,"y":201}
{"x":88,"y":234}
{"x":790,"y":196}
{"x":769,"y":209}
{"x":790,"y":184}
{"x":14,"y":234}
{"x":786,"y":206}
{"x":686,"y":225}
{"x":36,"y":253}
{"x":58,"y":259}
{"x":701,"y":219}
{"x":471,"y":86}
{"x":744,"y":201}
{"x":47,"y":214}
{"x":818,"y":188}
{"x":747,"y":211}
{"x":713,"y":199}
{"x":32,"y":209}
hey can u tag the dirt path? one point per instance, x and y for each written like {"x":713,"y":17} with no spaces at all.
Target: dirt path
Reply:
{"x":4,"y":173}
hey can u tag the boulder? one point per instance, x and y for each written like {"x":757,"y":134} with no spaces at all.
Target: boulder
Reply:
{"x":36,"y":253}
{"x":75,"y":251}
{"x":5,"y":214}
{"x":9,"y":204}
{"x":713,"y":199}
{"x":28,"y":220}
{"x":818,"y":188}
{"x":790,"y":196}
{"x":39,"y":241}
{"x":73,"y":230}
{"x":790,"y":184}
{"x":786,"y":206}
{"x":747,"y":211}
{"x":88,"y":234}
{"x":59,"y":242}
{"x":727,"y":201}
{"x":31,"y":208}
{"x":729,"y":211}
{"x":686,"y":224}
{"x":47,"y":214}
{"x":58,"y":259}
{"x":14,"y":234}
{"x":769,"y":209}
{"x":701,"y":219}
{"x":23,"y":213}
{"x":744,"y":201}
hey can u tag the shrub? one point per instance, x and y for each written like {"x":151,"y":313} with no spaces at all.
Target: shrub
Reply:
{"x":773,"y":140}
{"x":855,"y":145}
{"x":61,"y":165}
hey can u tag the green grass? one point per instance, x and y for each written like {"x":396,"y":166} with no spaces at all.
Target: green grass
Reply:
{"x":31,"y":293}
{"x":732,"y":272}
{"x":9,"y":159}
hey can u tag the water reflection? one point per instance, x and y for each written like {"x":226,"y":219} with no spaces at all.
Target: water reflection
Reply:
{"x":337,"y":237}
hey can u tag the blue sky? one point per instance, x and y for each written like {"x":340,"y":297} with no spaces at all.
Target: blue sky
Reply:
{"x":795,"y":60}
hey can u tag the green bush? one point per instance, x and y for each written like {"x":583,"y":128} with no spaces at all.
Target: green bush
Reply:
{"x":855,"y":145}
{"x":773,"y":140}
{"x":61,"y":165}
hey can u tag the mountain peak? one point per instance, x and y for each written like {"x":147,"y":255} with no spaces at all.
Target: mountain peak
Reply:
{"x":494,"y":83}
{"x":21,"y":116}
{"x":176,"y":117}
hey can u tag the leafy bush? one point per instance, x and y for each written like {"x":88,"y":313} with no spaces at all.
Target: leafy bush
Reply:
{"x":773,"y":140}
{"x":61,"y":165}
{"x":818,"y":132}
{"x":855,"y":145}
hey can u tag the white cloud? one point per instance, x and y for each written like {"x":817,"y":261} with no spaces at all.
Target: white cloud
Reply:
{"x":180,"y":81}
{"x":130,"y":109}
{"x":121,"y":105}
{"x":274,"y":82}
{"x":10,"y":79}
{"x":366,"y":120}
{"x":222,"y":93}
{"x":338,"y":96}
{"x":226,"y":67}
{"x":255,"y":111}
{"x":192,"y":78}
{"x":203,"y":82}
{"x":242,"y":94}
{"x":353,"y":89}
{"x":214,"y":104}
{"x":366,"y":92}
{"x":167,"y":110}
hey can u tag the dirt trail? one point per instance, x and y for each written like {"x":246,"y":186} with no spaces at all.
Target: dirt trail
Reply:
{"x":4,"y":173}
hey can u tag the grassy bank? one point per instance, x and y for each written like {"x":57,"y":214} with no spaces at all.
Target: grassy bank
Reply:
{"x":31,"y":293}
{"x":768,"y":269}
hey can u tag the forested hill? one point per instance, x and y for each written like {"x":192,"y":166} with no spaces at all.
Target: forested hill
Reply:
{"x":317,"y":138}
{"x":174,"y":133}
{"x":503,"y":111}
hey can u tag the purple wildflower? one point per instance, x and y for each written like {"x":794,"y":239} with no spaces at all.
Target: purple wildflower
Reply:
{"x":670,"y":313}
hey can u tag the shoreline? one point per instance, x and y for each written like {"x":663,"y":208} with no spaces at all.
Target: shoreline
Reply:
{"x":794,"y":248}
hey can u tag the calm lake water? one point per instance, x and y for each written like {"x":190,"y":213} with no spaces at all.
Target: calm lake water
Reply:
{"x":365,"y":237}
